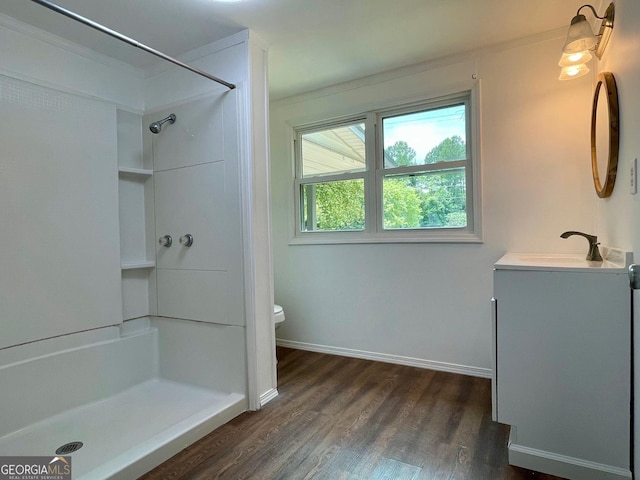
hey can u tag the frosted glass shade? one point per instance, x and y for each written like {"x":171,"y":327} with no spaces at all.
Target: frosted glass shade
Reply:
{"x":573,"y":71}
{"x":580,"y":36}
{"x":569,"y":59}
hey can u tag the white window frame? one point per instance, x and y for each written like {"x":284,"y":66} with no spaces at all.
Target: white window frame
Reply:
{"x":375,"y":172}
{"x":300,"y":181}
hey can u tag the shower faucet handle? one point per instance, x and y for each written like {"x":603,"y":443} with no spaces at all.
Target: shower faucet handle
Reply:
{"x":165,"y":241}
{"x":186,"y":240}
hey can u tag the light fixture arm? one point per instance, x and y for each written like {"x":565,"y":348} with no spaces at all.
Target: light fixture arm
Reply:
{"x":595,"y":14}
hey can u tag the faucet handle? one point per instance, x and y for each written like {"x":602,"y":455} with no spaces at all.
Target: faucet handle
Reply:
{"x":594,"y":253}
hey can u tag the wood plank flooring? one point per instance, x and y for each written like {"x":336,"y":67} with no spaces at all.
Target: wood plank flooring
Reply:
{"x":343,"y":418}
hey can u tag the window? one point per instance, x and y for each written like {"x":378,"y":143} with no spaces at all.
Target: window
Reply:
{"x":333,"y":168}
{"x":393,"y":175}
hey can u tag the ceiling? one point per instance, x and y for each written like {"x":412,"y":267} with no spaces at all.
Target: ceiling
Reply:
{"x":312,"y":43}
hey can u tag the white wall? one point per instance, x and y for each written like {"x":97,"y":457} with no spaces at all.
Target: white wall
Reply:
{"x":59,"y":185}
{"x":239,"y":59}
{"x":619,"y":215}
{"x":257,"y":191}
{"x":33,"y":55}
{"x":428,"y":304}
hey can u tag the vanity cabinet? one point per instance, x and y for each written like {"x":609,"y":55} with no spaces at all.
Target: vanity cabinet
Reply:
{"x":562,"y":365}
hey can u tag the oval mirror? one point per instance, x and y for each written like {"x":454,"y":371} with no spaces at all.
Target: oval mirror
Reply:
{"x":605,"y":139}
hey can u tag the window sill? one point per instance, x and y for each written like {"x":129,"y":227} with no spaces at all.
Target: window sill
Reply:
{"x":333,"y":238}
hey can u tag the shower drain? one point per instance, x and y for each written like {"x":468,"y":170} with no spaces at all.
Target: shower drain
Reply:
{"x":69,"y":448}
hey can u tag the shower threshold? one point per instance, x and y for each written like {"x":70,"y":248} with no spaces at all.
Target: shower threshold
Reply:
{"x":128,"y":433}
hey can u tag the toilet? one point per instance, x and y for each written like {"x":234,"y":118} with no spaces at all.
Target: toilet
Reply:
{"x":278,"y":316}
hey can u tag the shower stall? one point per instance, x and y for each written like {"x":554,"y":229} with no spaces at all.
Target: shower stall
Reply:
{"x":138,"y":316}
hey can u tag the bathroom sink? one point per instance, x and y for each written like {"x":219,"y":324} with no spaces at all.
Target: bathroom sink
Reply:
{"x":613,"y":259}
{"x":560,"y":259}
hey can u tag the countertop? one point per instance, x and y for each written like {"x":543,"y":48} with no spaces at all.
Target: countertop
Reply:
{"x":615,"y":261}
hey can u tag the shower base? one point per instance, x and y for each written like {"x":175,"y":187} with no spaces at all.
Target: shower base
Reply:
{"x":129,"y":433}
{"x":134,"y":395}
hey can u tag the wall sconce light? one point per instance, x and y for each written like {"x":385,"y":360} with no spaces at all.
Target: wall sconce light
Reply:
{"x":581,"y":40}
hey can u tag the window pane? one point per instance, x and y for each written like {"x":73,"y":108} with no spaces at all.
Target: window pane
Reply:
{"x":425,"y":200}
{"x":335,"y":150}
{"x":333,"y":206}
{"x":426,"y":137}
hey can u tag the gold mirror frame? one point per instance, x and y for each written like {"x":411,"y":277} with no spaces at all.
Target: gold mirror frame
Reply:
{"x":607,"y":80}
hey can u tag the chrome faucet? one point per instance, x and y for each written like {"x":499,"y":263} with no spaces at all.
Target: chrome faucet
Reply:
{"x":594,"y":253}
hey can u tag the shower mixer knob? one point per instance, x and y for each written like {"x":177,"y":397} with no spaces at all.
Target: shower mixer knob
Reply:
{"x":186,"y":240}
{"x":165,"y":241}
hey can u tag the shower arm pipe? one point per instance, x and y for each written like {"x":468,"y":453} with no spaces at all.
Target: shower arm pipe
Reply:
{"x":130,"y":41}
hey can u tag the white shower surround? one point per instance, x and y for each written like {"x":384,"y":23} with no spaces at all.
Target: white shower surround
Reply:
{"x":135,"y":392}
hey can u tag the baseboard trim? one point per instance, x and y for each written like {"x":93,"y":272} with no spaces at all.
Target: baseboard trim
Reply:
{"x":562,"y":465}
{"x":384,"y":357}
{"x":267,"y":396}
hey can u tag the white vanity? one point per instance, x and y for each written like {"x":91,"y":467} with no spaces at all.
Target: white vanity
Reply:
{"x":562,"y":363}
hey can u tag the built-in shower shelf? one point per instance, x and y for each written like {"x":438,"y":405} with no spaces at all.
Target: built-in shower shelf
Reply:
{"x":134,"y":172}
{"x":138,"y":265}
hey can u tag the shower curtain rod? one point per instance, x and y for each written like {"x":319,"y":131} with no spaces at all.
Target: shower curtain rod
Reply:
{"x":130,"y":41}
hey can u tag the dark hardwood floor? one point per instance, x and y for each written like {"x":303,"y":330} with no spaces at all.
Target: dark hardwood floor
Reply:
{"x":344,"y":418}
